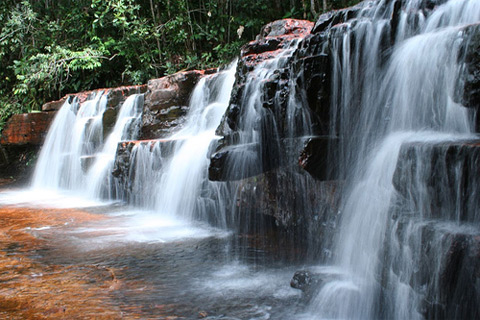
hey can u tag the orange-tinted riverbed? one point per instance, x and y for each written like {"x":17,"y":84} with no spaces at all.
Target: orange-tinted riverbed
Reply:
{"x":33,"y":290}
{"x":75,"y":264}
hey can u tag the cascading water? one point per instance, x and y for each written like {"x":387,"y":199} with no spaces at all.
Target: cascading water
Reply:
{"x":381,"y":103}
{"x":171,"y":174}
{"x":63,"y":161}
{"x":76,"y":133}
{"x":100,"y":180}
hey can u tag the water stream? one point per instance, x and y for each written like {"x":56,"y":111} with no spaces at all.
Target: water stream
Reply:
{"x":380,"y":107}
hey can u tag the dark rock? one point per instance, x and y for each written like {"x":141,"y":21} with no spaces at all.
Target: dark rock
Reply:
{"x":17,"y":162}
{"x":468,"y":88}
{"x":329,"y":19}
{"x":272,"y":41}
{"x":54,"y":105}
{"x":304,"y":280}
{"x":315,"y":83}
{"x":87,"y":161}
{"x":306,"y":208}
{"x":310,"y":281}
{"x":447,"y":267}
{"x":222,"y":164}
{"x":125,"y":162}
{"x":109,"y":118}
{"x":116,"y":96}
{"x":166,"y":103}
{"x":315,"y":157}
{"x":439,"y":180}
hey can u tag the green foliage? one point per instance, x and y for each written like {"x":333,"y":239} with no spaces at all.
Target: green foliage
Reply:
{"x":50,"y":48}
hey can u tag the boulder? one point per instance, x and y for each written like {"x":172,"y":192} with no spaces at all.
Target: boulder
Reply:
{"x":166,"y":103}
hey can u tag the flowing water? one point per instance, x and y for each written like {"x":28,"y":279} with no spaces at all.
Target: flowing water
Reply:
{"x":170,"y":175}
{"x":78,"y":160}
{"x":381,"y":104}
{"x":393,"y":103}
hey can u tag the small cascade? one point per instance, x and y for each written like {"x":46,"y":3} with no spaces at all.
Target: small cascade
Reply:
{"x":75,"y":135}
{"x":170,"y":175}
{"x":100,"y":181}
{"x":384,"y":102}
{"x":74,"y":157}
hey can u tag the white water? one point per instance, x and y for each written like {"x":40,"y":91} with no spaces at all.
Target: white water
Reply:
{"x":414,"y":103}
{"x":76,"y":132}
{"x":170,"y":174}
{"x":99,"y":175}
{"x":74,"y":140}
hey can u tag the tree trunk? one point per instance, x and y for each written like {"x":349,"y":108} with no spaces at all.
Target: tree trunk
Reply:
{"x":312,"y":8}
{"x":152,"y":8}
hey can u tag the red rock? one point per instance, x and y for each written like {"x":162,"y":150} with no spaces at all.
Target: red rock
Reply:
{"x":27,"y":128}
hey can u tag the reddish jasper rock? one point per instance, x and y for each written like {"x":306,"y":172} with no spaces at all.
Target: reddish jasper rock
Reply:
{"x":27,"y":128}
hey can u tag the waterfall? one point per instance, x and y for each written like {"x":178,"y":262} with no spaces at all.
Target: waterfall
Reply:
{"x":170,"y":175}
{"x":76,"y":139}
{"x":76,"y":133}
{"x":100,"y":180}
{"x":382,"y":101}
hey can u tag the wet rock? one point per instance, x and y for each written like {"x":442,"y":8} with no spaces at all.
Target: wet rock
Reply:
{"x":86,"y":162}
{"x":17,"y":162}
{"x":125,"y":165}
{"x":310,"y":281}
{"x":222,"y":163}
{"x":329,"y":19}
{"x":307,"y":209}
{"x":109,"y":118}
{"x":285,"y":28}
{"x":116,"y":96}
{"x":54,"y":105}
{"x":304,"y":280}
{"x":166,"y":103}
{"x":27,"y":128}
{"x":272,"y":41}
{"x":447,"y":266}
{"x":315,"y":156}
{"x":468,"y":84}
{"x":439,"y":180}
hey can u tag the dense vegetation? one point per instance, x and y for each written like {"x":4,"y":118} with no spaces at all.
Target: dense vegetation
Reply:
{"x":52,"y":47}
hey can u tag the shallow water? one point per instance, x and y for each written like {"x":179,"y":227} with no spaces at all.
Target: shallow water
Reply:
{"x":138,"y":266}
